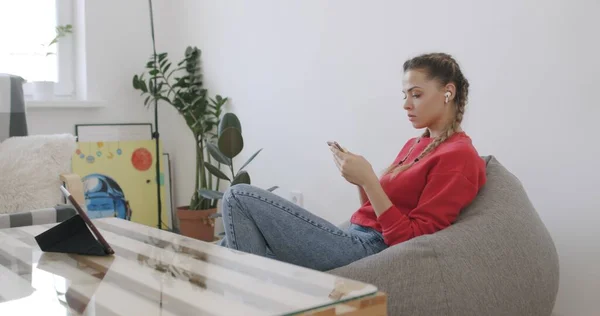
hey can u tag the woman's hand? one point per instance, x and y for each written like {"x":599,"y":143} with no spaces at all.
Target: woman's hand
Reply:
{"x":354,"y":168}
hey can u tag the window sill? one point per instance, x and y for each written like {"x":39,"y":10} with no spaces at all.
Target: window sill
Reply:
{"x":63,"y":104}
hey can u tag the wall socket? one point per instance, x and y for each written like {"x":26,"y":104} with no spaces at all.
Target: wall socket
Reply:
{"x":297,"y":198}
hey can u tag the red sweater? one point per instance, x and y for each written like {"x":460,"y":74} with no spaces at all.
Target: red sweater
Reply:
{"x":428,"y":196}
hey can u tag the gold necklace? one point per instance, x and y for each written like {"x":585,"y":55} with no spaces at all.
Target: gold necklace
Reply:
{"x":410,"y":151}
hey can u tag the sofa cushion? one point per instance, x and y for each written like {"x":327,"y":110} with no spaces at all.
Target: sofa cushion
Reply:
{"x":30,"y":167}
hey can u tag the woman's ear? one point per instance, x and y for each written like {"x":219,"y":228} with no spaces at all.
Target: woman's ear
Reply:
{"x":451,"y":90}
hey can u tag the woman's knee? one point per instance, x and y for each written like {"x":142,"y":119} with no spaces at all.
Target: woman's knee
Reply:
{"x":231,"y":198}
{"x":242,"y":188}
{"x":234,"y":191}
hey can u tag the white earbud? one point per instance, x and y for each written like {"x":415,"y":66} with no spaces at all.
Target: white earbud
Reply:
{"x":447,"y":95}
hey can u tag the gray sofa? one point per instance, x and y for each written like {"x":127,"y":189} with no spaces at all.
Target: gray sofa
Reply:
{"x":497,"y":259}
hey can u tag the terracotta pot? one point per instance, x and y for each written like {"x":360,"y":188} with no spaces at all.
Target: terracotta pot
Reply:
{"x":196,"y":224}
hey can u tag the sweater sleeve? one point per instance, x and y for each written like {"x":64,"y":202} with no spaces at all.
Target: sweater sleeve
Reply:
{"x":441,"y":201}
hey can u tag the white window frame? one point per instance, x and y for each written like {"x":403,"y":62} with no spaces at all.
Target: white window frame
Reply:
{"x":65,"y":52}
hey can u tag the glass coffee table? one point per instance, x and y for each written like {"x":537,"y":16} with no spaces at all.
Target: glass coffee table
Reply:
{"x":155,"y":272}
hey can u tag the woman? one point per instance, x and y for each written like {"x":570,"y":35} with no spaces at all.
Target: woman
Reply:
{"x":423,"y":191}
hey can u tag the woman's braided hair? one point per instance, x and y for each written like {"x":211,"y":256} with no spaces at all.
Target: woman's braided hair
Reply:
{"x":445,"y":69}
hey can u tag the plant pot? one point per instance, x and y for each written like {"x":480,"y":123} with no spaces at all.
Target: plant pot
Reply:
{"x":196,"y":224}
{"x":43,"y":90}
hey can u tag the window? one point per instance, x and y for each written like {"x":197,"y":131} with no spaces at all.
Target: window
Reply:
{"x":26,"y":29}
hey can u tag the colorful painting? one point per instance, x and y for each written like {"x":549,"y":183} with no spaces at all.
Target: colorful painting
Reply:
{"x":119,"y":179}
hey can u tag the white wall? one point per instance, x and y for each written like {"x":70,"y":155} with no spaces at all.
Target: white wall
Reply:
{"x":305,"y":72}
{"x":117,"y":45}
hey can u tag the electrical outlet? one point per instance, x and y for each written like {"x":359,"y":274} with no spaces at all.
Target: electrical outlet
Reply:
{"x":297,"y":198}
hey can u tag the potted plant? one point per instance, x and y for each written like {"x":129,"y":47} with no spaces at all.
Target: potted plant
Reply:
{"x":217,"y":140}
{"x":182,"y":88}
{"x":44,"y":90}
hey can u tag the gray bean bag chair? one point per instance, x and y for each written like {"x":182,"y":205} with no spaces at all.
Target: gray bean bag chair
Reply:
{"x":496,"y":259}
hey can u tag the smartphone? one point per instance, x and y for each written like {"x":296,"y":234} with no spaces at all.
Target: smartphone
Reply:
{"x":336,"y":145}
{"x":107,"y":248}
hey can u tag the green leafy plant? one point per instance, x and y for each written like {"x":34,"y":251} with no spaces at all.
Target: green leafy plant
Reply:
{"x":229,"y":144}
{"x":61,"y":31}
{"x":182,"y":88}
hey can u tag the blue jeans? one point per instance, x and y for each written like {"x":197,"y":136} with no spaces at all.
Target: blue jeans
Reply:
{"x":260,"y":222}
